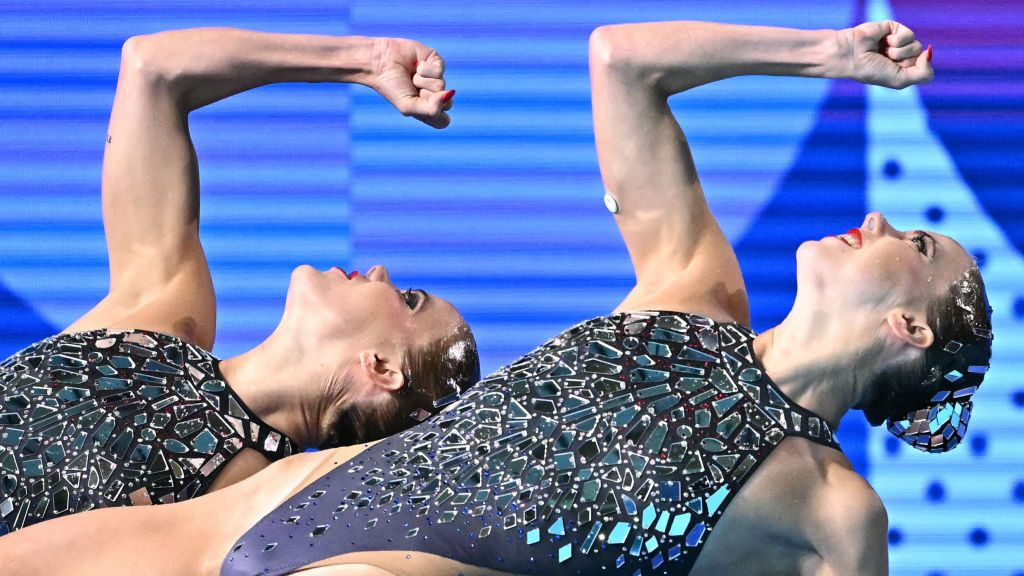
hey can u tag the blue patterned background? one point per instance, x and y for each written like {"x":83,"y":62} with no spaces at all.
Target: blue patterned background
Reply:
{"x":502,"y":212}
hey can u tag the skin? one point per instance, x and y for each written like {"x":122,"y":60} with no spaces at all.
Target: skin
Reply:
{"x":856,"y":309}
{"x":340,"y":340}
{"x":804,"y":504}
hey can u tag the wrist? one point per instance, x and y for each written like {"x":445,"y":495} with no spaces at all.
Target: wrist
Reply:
{"x":354,"y":59}
{"x":838,"y":53}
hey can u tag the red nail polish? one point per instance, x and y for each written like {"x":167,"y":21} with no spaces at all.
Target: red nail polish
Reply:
{"x":929,"y":52}
{"x":448,"y":96}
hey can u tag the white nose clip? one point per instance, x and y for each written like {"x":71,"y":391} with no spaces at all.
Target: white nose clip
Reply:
{"x":871,"y":223}
{"x":611,"y":203}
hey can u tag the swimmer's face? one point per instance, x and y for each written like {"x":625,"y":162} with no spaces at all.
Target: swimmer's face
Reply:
{"x":366,"y":310}
{"x":878,"y":268}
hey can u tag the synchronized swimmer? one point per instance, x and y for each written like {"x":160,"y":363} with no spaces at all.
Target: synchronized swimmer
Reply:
{"x":664,"y":438}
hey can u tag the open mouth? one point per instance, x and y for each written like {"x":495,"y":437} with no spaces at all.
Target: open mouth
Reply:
{"x":853,"y":238}
{"x":349,"y":275}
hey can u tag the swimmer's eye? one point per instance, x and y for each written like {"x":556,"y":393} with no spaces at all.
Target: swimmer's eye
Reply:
{"x":918,"y":240}
{"x":412,"y":298}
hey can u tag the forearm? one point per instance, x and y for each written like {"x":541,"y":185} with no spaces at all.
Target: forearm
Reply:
{"x":676,"y":56}
{"x":204,"y":65}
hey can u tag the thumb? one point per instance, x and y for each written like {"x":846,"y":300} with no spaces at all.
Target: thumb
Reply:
{"x":921,"y":72}
{"x":430,"y":108}
{"x":426,"y":103}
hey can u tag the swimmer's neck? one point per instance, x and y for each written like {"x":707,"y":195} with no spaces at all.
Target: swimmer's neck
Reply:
{"x":818,"y":362}
{"x":280,"y":389}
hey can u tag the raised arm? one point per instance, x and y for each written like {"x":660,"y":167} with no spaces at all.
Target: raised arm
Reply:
{"x":159,"y":278}
{"x":681,"y":258}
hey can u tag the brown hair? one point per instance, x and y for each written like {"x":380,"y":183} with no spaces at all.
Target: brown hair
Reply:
{"x":962,"y":324}
{"x":448,"y":365}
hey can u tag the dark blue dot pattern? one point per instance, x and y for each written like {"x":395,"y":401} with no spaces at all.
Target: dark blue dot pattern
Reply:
{"x":892,"y":169}
{"x":892,"y":445}
{"x":614,"y":447}
{"x":895,"y":536}
{"x":936,"y":492}
{"x":935,"y":214}
{"x":979,"y":537}
{"x":979,"y":443}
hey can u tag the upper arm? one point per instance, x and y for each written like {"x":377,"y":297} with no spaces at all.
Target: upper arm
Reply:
{"x":159,"y":278}
{"x":679,"y":252}
{"x":851,"y":535}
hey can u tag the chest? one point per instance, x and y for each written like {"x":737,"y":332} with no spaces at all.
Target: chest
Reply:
{"x":93,"y":419}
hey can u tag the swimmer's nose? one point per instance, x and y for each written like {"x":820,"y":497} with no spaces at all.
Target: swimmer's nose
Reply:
{"x":876,"y":224}
{"x":378,"y":274}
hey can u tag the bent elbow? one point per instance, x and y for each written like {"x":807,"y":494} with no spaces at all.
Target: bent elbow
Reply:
{"x":140,"y":56}
{"x":616,"y":50}
{"x":608,"y":50}
{"x":133,"y":57}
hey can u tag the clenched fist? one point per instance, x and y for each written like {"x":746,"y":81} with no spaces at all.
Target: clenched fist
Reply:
{"x":884,"y":54}
{"x":411,"y":77}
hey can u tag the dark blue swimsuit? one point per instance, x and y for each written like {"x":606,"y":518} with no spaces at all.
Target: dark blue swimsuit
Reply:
{"x":613,"y":448}
{"x":95,"y":419}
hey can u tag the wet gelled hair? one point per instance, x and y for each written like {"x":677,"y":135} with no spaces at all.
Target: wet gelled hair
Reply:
{"x":435,"y":372}
{"x":961,"y":321}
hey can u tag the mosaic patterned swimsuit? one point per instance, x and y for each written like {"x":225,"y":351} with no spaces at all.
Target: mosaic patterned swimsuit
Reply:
{"x":613,"y":448}
{"x":91,"y":419}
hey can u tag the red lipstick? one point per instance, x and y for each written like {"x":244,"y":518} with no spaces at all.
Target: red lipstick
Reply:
{"x":855,"y":232}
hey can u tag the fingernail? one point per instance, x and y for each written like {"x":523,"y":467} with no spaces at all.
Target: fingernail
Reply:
{"x":447,"y":96}
{"x":929,"y":52}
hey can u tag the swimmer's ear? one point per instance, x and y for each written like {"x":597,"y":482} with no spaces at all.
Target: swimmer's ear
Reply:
{"x":911,"y":328}
{"x":382,"y":371}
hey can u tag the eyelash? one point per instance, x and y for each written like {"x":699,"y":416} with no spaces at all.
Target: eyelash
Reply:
{"x":922,"y":246}
{"x":411,"y":298}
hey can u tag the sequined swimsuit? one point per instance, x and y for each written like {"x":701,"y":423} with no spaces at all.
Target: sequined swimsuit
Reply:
{"x":91,"y":419}
{"x":613,"y":448}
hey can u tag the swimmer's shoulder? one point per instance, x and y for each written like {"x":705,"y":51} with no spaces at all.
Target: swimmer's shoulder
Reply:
{"x":833,"y":489}
{"x":848,"y":521}
{"x":829,"y":510}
